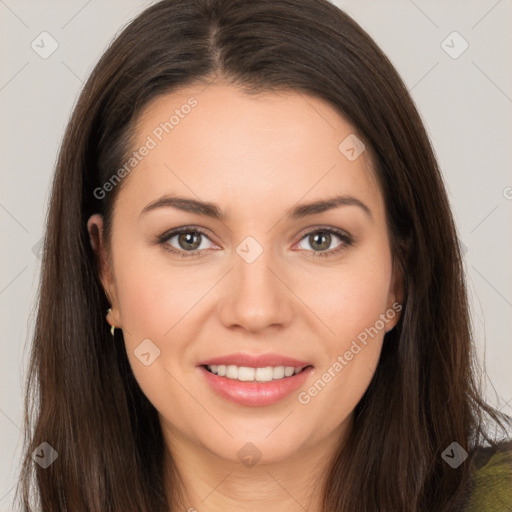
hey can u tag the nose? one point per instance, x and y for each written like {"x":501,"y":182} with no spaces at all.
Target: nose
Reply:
{"x":256,"y":296}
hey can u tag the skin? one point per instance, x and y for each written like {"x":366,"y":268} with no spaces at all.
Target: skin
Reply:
{"x":240,"y":152}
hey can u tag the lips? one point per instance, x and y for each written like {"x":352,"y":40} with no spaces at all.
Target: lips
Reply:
{"x":254,"y":361}
{"x":254,"y":394}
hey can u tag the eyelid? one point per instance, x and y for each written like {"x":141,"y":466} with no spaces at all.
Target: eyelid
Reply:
{"x":171,"y":233}
{"x":344,"y":236}
{"x":313,"y":229}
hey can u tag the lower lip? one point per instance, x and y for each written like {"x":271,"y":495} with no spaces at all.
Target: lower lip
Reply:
{"x":255,"y":394}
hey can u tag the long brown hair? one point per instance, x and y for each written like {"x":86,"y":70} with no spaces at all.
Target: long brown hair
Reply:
{"x":81,"y":395}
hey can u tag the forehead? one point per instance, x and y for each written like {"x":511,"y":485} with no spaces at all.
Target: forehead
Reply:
{"x":216,"y":140}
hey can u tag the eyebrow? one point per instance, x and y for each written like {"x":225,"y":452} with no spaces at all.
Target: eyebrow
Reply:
{"x":211,"y":210}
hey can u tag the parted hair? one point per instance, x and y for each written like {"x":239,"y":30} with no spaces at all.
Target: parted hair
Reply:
{"x":81,"y":395}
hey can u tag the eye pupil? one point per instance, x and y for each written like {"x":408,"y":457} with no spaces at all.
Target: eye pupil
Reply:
{"x":319,"y":235}
{"x":185,"y":239}
{"x":190,"y":241}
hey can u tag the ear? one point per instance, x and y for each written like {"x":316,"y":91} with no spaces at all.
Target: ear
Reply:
{"x":395,"y":297}
{"x":95,"y":229}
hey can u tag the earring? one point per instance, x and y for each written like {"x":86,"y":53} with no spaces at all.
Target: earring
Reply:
{"x":112,"y":327}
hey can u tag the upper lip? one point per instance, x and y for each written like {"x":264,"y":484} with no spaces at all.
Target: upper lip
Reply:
{"x":254,"y":361}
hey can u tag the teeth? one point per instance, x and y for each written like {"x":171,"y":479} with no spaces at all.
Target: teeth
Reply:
{"x":278,"y":372}
{"x":247,"y":374}
{"x":264,"y":374}
{"x":232,"y":371}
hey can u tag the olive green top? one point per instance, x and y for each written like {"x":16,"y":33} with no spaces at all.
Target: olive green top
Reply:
{"x":491,"y":481}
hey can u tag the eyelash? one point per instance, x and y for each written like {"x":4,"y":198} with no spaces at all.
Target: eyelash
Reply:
{"x":165,"y":237}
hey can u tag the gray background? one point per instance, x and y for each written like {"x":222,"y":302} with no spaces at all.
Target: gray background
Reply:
{"x":465,"y":103}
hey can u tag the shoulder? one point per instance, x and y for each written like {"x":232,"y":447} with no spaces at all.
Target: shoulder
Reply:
{"x":490,"y":486}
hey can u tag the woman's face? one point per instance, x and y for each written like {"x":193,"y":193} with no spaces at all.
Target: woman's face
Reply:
{"x":256,"y":273}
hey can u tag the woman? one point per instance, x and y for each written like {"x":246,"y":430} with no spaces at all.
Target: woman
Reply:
{"x":215,"y":144}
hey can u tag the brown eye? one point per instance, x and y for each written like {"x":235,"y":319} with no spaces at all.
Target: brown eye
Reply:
{"x":320,"y":240}
{"x":189,"y":241}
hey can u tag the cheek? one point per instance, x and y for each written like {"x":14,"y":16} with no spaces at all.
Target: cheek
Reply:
{"x":156,"y":299}
{"x":350,"y":301}
{"x":153,"y":295}
{"x":346,"y":297}
{"x":154,"y":302}
{"x":351,"y":297}
{"x":349,"y":356}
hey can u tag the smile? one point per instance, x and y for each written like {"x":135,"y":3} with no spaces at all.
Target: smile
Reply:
{"x":248,"y":374}
{"x":254,"y":387}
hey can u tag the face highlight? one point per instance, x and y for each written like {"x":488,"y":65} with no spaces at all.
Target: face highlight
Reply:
{"x":215,"y":253}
